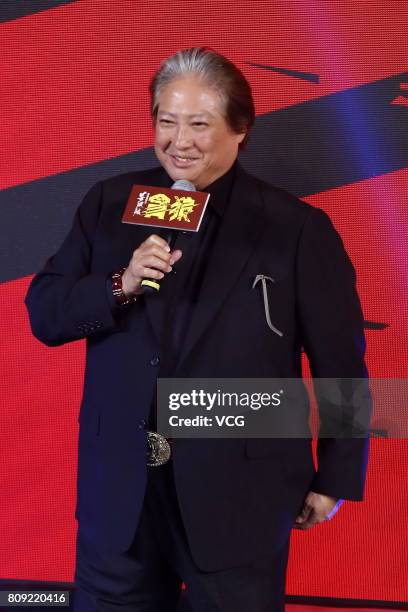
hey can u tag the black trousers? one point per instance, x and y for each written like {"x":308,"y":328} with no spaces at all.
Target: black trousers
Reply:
{"x":149,"y":576}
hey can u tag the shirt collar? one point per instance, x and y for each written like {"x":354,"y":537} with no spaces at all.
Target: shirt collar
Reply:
{"x":220,"y":189}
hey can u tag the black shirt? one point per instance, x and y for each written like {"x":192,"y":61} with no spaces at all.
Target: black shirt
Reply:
{"x":183,"y":286}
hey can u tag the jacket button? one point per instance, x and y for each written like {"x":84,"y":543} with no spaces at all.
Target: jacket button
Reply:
{"x":142,"y":423}
{"x":155,"y":361}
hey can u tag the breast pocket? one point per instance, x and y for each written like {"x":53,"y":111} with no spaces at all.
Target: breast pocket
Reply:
{"x":270,"y":291}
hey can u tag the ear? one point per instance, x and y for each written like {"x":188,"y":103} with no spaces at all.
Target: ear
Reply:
{"x":240,"y":137}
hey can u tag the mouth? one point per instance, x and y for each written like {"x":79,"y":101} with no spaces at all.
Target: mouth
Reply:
{"x":183,"y":160}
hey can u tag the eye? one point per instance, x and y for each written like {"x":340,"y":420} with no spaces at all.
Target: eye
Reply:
{"x":200,"y":124}
{"x":166,"y":121}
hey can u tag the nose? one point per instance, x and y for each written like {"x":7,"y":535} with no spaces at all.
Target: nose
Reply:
{"x":182,"y":137}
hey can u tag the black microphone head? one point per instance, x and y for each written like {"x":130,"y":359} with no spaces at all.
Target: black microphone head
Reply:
{"x":184,"y":185}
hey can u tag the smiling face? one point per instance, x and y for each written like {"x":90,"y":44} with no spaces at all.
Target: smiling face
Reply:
{"x":193,"y":141}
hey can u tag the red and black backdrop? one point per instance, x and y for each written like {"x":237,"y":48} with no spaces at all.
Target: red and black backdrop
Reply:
{"x":330,"y":83}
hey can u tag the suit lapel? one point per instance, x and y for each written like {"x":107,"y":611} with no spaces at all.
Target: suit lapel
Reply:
{"x":234,"y":245}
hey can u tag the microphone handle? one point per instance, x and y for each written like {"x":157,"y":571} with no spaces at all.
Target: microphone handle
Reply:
{"x":151,"y":285}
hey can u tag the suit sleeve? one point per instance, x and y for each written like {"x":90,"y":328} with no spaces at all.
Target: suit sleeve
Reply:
{"x":332,"y":328}
{"x":66,"y":301}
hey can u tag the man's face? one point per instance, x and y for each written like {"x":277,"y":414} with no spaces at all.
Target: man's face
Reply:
{"x":192,"y":138}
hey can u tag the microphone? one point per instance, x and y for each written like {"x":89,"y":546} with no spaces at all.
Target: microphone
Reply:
{"x":153,"y":286}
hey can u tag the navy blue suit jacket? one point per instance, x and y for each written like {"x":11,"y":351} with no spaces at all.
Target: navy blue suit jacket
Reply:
{"x":238,"y":497}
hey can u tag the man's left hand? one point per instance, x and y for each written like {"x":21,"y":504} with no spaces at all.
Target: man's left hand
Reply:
{"x":317,"y":508}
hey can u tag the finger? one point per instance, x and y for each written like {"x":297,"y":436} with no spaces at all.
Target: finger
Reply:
{"x":304,"y":515}
{"x":310,"y":522}
{"x":151,"y":273}
{"x":175,"y":256}
{"x":155,"y":239}
{"x":152,"y":249}
{"x":156,"y":263}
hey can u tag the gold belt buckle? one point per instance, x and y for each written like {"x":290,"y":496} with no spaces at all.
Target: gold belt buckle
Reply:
{"x":158,"y":449}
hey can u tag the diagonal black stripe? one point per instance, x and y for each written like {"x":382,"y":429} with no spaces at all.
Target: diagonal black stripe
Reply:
{"x":304,"y":76}
{"x":308,"y":148}
{"x":13,"y":9}
{"x":35,"y":217}
{"x":375,"y":325}
{"x":332,"y":141}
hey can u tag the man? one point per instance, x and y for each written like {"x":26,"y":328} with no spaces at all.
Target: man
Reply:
{"x":218,"y":514}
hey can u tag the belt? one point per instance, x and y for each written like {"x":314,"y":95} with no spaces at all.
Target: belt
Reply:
{"x":158,"y":449}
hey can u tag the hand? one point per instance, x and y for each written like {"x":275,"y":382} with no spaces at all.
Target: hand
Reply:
{"x":152,"y":259}
{"x":317,"y":508}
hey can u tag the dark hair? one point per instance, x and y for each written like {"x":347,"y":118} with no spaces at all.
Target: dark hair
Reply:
{"x":217,"y":72}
